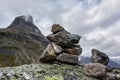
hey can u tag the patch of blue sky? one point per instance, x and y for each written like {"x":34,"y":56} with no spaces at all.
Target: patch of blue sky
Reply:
{"x":87,"y":4}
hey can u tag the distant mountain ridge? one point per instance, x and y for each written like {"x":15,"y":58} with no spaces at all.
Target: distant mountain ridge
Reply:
{"x":115,"y":62}
{"x":112,"y":63}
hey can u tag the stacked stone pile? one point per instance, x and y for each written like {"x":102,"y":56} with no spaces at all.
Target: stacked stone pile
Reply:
{"x":63,"y":47}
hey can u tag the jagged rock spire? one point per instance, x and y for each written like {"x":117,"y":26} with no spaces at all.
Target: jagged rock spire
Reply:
{"x":24,"y":23}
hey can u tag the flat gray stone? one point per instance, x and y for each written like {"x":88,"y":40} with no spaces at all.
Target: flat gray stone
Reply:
{"x":68,"y":58}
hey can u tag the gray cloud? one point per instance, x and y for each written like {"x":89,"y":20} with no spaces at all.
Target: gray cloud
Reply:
{"x":97,"y":21}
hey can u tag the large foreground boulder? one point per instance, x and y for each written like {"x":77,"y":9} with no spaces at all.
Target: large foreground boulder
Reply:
{"x":99,"y":57}
{"x":21,"y":43}
{"x":95,"y":70}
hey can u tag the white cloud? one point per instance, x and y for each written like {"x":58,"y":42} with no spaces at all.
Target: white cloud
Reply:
{"x":45,"y":25}
{"x":104,"y":11}
{"x":107,"y":39}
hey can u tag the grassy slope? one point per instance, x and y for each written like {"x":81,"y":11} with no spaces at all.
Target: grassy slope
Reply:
{"x":18,"y":48}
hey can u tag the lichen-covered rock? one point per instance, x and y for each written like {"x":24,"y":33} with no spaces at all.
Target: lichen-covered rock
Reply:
{"x":99,"y":57}
{"x":111,"y":76}
{"x":114,"y":74}
{"x":68,"y":58}
{"x":95,"y":70}
{"x":43,"y":71}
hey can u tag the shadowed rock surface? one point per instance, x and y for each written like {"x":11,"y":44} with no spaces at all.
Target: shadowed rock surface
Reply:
{"x":21,"y":43}
{"x":99,"y":57}
{"x":62,"y":37}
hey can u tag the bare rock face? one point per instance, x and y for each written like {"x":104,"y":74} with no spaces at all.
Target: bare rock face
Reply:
{"x":21,"y":43}
{"x":48,"y":54}
{"x":95,"y":70}
{"x":99,"y":57}
{"x":56,"y":28}
{"x":73,"y":51}
{"x":56,"y":48}
{"x":68,"y":58}
{"x":24,"y":23}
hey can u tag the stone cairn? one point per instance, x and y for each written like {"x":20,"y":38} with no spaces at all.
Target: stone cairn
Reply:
{"x":63,"y":47}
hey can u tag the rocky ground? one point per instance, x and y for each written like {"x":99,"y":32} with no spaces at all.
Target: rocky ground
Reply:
{"x":43,"y":71}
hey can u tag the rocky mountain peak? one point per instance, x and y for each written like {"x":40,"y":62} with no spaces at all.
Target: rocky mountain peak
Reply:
{"x":21,"y":43}
{"x":24,"y":23}
{"x":28,"y":18}
{"x":25,"y":18}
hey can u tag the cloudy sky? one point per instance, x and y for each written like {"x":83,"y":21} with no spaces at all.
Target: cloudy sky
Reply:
{"x":97,"y":21}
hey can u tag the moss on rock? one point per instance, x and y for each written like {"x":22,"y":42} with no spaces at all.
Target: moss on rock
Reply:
{"x":18,"y":48}
{"x":44,"y":72}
